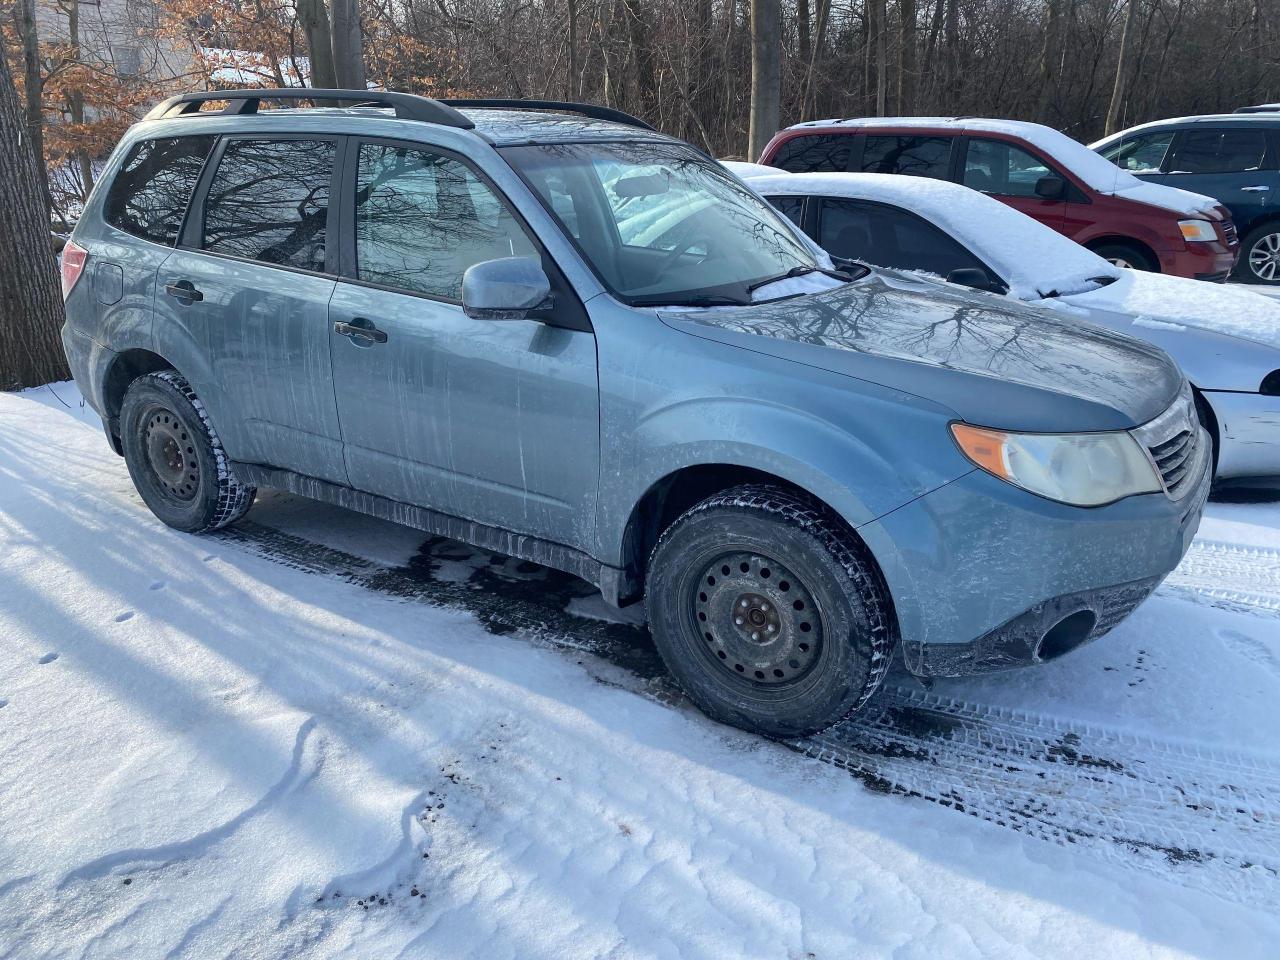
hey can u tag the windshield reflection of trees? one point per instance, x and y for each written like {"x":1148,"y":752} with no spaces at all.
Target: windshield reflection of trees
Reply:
{"x":664,"y":219}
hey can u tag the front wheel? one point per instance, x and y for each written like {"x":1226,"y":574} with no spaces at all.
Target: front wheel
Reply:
{"x":769,"y":615}
{"x":175,"y":457}
{"x":1260,"y":256}
{"x":1125,"y":256}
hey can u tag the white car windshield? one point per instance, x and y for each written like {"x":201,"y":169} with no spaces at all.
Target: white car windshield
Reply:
{"x":661,"y":224}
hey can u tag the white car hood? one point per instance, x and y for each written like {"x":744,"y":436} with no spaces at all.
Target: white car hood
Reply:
{"x":1155,"y":299}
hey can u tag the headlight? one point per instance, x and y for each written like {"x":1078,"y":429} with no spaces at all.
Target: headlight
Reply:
{"x":1082,"y":469}
{"x":1197,"y":230}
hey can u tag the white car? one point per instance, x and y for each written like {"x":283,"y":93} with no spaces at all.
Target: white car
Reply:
{"x":1226,"y":339}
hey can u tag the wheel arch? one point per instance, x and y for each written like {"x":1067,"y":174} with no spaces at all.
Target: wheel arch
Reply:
{"x":124,"y":368}
{"x":667,"y":498}
{"x":1115,"y":239}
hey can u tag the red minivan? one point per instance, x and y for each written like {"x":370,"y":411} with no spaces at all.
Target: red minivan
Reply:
{"x":1037,"y":170}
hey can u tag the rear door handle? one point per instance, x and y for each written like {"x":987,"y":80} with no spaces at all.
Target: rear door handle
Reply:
{"x":184,"y":291}
{"x":360,"y":329}
{"x":1257,"y":188}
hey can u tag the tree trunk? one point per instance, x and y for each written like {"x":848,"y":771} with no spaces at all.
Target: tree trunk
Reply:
{"x":1118,"y":91}
{"x":882,"y":59}
{"x":30,"y":304}
{"x":314,"y":17}
{"x":1048,"y":53}
{"x":348,"y":44}
{"x":34,"y":89}
{"x":766,"y":92}
{"x":75,"y":99}
{"x":906,"y":58}
{"x":571,"y":88}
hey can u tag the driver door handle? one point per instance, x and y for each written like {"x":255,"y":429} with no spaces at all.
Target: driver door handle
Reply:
{"x":360,"y":329}
{"x":1256,"y":188}
{"x":184,"y":291}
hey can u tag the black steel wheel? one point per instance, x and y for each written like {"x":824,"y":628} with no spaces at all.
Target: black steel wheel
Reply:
{"x":769,"y":614}
{"x":176,"y":459}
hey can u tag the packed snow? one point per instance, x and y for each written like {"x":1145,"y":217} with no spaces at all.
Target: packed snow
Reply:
{"x":1071,"y":155}
{"x":305,"y":738}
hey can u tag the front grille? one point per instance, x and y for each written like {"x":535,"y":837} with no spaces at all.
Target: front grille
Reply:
{"x":1174,"y":441}
{"x":1229,"y":231}
{"x":1173,"y":458}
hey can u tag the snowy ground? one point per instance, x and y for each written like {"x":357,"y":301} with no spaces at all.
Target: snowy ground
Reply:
{"x":317,"y":735}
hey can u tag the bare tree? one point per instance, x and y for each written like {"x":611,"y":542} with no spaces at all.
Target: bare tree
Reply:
{"x":30,"y":304}
{"x":1122,"y":64}
{"x":906,"y":57}
{"x":348,"y":44}
{"x":314,"y":17}
{"x":766,"y":74}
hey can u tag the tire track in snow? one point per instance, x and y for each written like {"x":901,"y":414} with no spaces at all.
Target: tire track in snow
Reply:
{"x":1230,"y":576}
{"x":1201,"y":816}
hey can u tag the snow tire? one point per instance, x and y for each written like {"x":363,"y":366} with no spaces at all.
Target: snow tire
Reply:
{"x":743,"y":532}
{"x":193,"y":488}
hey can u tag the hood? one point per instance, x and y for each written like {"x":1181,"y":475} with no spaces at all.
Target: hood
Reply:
{"x":994,"y":362}
{"x":1220,"y":308}
{"x":1182,"y":202}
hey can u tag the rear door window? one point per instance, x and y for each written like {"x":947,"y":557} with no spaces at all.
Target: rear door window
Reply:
{"x":422,"y":218}
{"x":790,"y":207}
{"x":890,"y":237}
{"x":995,"y":166}
{"x":816,"y":153}
{"x":1141,"y":154}
{"x":269,"y":201}
{"x":1219,"y":151}
{"x":912,"y":156}
{"x":149,"y":196}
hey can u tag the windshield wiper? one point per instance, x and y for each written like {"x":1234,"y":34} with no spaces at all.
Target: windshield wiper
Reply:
{"x":796,"y":271}
{"x":702,"y":300}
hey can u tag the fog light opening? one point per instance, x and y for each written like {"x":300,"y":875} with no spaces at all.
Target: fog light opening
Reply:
{"x":1065,"y":635}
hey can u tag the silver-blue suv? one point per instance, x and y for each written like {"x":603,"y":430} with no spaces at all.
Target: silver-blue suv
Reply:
{"x":549,"y":331}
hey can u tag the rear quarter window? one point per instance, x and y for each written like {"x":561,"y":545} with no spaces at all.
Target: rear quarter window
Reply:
{"x":814,"y":154}
{"x":149,"y":195}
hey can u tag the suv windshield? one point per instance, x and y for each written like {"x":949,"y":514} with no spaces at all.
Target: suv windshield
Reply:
{"x":661,"y":224}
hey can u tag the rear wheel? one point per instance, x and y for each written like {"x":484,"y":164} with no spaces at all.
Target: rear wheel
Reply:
{"x":1260,"y":256}
{"x":769,"y":615}
{"x":176,"y":459}
{"x":1126,"y":256}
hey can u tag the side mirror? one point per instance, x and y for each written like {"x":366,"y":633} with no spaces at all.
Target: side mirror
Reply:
{"x":505,"y":289}
{"x":975,"y":278}
{"x":1051,"y":188}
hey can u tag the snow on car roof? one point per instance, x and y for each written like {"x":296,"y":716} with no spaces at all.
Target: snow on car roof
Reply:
{"x":1033,"y":259}
{"x":1098,"y":172}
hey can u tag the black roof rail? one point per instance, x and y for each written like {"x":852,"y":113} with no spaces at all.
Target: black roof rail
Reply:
{"x":592,"y":110}
{"x":406,"y":105}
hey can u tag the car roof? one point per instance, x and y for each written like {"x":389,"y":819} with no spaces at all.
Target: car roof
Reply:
{"x":1208,"y":119}
{"x":503,"y":126}
{"x":958,"y":124}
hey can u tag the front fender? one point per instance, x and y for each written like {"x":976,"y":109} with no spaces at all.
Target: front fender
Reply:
{"x":670,"y":401}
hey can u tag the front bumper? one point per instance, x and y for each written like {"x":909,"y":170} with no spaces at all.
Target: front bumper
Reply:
{"x":981,"y":572}
{"x":1212,"y":260}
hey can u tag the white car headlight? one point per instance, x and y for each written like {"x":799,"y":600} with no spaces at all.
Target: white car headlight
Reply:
{"x":1197,"y":230}
{"x":1082,"y":469}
